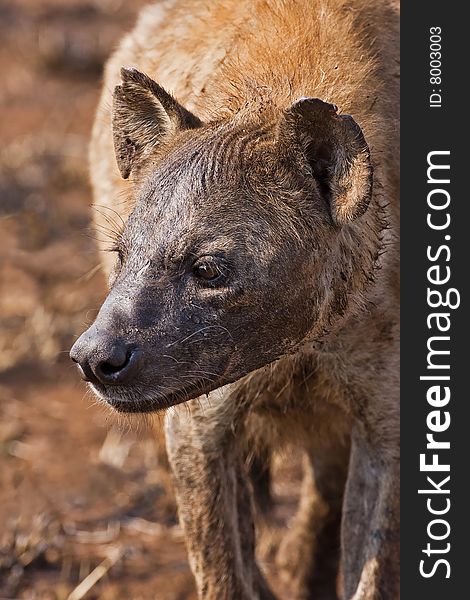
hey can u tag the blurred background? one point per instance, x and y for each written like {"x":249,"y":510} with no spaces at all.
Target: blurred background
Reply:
{"x":86,"y":503}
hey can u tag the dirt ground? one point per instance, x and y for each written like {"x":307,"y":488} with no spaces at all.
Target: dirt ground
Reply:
{"x":86,"y":502}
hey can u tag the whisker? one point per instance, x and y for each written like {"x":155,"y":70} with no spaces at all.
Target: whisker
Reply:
{"x":196,"y":332}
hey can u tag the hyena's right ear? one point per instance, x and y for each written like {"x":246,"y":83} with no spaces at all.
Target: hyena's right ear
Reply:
{"x":143,"y":114}
{"x":337,"y":153}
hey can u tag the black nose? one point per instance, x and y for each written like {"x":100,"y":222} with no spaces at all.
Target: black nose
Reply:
{"x":103,"y":360}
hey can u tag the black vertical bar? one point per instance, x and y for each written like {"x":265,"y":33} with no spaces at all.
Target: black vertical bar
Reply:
{"x":434,"y":118}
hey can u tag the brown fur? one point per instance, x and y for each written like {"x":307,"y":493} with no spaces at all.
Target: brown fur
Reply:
{"x":246,"y":63}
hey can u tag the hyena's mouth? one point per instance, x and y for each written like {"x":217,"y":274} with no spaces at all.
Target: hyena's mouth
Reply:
{"x":122,"y":375}
{"x":140,"y":399}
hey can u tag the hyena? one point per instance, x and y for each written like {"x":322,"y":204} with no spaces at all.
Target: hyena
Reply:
{"x":255,"y":277}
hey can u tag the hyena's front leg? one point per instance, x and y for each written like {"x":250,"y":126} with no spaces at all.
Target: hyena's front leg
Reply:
{"x":309,"y":554}
{"x":370,"y":531}
{"x":214,"y":503}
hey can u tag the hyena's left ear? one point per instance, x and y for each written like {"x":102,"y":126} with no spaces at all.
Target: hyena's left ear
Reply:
{"x":143,"y":115}
{"x":337,"y":154}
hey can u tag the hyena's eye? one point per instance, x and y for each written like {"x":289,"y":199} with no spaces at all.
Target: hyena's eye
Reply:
{"x":208,"y":268}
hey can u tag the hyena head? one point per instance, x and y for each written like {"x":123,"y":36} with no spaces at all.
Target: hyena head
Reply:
{"x":234,"y":254}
